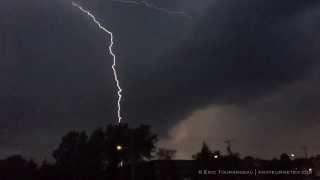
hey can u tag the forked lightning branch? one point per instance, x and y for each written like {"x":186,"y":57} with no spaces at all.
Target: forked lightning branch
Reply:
{"x":114,"y":65}
{"x":111,"y":53}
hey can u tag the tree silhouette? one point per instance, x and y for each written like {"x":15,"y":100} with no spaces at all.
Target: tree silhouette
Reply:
{"x":71,"y":151}
{"x":15,"y":167}
{"x":101,"y":153}
{"x":72,"y":155}
{"x":165,"y":154}
{"x":285,"y":161}
{"x":204,"y":154}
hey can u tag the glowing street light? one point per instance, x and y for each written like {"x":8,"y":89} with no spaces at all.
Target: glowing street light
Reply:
{"x":121,"y":164}
{"x":216,"y":156}
{"x":119,"y":147}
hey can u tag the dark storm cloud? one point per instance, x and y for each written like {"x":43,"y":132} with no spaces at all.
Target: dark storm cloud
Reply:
{"x":55,"y":71}
{"x":283,"y":121}
{"x":260,"y":59}
{"x":238,"y":51}
{"x":53,"y":77}
{"x":56,"y":75}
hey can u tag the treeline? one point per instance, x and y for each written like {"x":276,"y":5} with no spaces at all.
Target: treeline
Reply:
{"x":104,"y":152}
{"x":97,"y":155}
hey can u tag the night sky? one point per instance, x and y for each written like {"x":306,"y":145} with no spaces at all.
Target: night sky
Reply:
{"x":246,"y":70}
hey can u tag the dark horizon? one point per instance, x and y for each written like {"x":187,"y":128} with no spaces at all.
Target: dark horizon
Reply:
{"x":121,"y":152}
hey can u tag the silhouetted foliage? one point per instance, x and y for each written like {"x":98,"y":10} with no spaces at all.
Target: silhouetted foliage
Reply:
{"x":204,"y":154}
{"x":165,"y":154}
{"x":99,"y":154}
{"x":120,"y":152}
{"x":15,"y":167}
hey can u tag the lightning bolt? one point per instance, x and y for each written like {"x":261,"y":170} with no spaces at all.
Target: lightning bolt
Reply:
{"x":93,"y":18}
{"x":153,"y":6}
